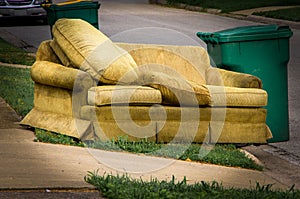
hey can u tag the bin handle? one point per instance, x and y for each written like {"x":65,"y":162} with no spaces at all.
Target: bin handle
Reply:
{"x":48,"y":4}
{"x":71,"y":2}
{"x":208,"y":37}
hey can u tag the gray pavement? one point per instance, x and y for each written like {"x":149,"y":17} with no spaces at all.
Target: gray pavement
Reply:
{"x":25,"y":164}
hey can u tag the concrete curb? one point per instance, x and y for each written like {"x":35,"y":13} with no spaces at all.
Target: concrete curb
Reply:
{"x":254,"y":18}
{"x":51,"y":193}
{"x":186,"y":7}
{"x":14,"y":65}
{"x":252,"y":157}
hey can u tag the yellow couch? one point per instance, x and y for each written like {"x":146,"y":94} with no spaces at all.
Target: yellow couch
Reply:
{"x":89,"y":87}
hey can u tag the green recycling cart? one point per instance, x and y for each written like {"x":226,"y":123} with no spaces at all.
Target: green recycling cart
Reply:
{"x":262,"y":51}
{"x":77,"y":9}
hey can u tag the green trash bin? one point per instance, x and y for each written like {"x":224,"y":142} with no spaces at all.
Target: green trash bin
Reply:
{"x":262,"y":51}
{"x":85,"y":10}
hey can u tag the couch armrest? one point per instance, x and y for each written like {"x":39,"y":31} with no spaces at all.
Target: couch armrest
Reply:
{"x":216,"y":76}
{"x":53,"y":74}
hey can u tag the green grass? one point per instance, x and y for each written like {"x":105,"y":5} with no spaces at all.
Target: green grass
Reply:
{"x":235,"y":5}
{"x":55,"y":138}
{"x":16,"y":84}
{"x":17,"y":88}
{"x":226,"y":155}
{"x":13,"y":55}
{"x":291,"y":14}
{"x":125,"y":187}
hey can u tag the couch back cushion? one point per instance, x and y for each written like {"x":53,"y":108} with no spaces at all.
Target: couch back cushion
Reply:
{"x":90,"y":50}
{"x":191,"y":62}
{"x":61,"y":54}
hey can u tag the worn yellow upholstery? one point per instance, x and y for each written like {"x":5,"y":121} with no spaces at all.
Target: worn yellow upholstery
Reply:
{"x":237,"y":97}
{"x":107,"y":95}
{"x":45,"y":53}
{"x":88,"y":87}
{"x":61,"y":54}
{"x":52,"y":74}
{"x":149,"y":122}
{"x":232,"y":125}
{"x":91,"y":51}
{"x":221,"y":77}
{"x":176,"y":59}
{"x":177,"y":91}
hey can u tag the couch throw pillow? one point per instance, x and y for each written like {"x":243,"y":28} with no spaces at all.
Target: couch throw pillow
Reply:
{"x":93,"y":52}
{"x":175,"y":90}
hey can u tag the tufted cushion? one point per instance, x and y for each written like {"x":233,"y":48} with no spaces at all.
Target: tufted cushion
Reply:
{"x":105,"y":95}
{"x":237,"y":97}
{"x":93,"y":52}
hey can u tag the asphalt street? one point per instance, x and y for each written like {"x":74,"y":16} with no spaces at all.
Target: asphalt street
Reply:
{"x":138,"y":21}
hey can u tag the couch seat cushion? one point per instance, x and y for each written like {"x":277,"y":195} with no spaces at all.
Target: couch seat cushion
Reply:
{"x":105,"y":95}
{"x":91,"y":51}
{"x":237,"y":97}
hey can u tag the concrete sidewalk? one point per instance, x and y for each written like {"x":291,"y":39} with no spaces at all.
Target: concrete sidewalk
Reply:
{"x":39,"y":167}
{"x":248,"y":15}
